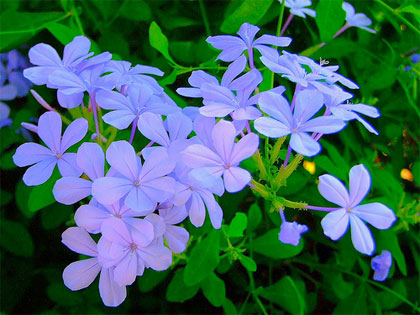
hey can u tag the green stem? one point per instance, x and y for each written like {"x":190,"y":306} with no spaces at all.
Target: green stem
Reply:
{"x":395,"y":12}
{"x":374,"y":283}
{"x":117,"y":14}
{"x":77,"y":19}
{"x":204,"y":15}
{"x":410,"y":101}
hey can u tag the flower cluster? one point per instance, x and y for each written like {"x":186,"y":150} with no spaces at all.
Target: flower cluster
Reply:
{"x":12,"y":82}
{"x":136,"y":198}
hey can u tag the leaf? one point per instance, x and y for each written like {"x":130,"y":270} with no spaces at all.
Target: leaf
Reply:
{"x":254,"y":217}
{"x":63,"y":33}
{"x":54,"y":215}
{"x":330,"y":17}
{"x":42,"y":196}
{"x":229,"y":307}
{"x":387,"y":240}
{"x":416,"y":172}
{"x":177,"y":291}
{"x":381,"y":79}
{"x":58,"y":293}
{"x":136,"y":10}
{"x":21,"y":199}
{"x":17,"y":27}
{"x":214,"y":290}
{"x":353,"y":304}
{"x":250,"y":11}
{"x":15,"y":238}
{"x":159,"y":41}
{"x":388,"y":300}
{"x":151,"y":278}
{"x":341,"y":288}
{"x":270,"y":246}
{"x":238,"y":225}
{"x":248,"y":263}
{"x":286,"y":294}
{"x":203,"y":259}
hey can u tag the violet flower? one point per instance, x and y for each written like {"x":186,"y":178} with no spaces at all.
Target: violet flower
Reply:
{"x":381,"y":264}
{"x":129,"y":248}
{"x":45,"y":159}
{"x":290,"y":232}
{"x":91,"y":160}
{"x":140,"y":186}
{"x":225,"y":161}
{"x":356,"y":19}
{"x":336,"y":223}
{"x":233,"y":47}
{"x":80,"y":274}
{"x":297,"y":7}
{"x":298,"y":124}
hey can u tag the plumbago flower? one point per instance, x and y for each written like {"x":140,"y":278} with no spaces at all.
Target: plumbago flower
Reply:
{"x":298,"y":123}
{"x":356,"y":19}
{"x":381,"y":265}
{"x":224,"y":162}
{"x":297,"y":7}
{"x":336,"y":223}
{"x":80,"y":274}
{"x":141,"y":186}
{"x":233,"y":47}
{"x":290,"y":232}
{"x":71,"y":189}
{"x":46,"y":158}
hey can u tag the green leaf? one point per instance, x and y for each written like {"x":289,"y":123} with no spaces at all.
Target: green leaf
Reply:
{"x":21,"y":199}
{"x":238,"y":225}
{"x":270,"y":246}
{"x":381,"y":79}
{"x":15,"y":238}
{"x":330,"y":17}
{"x":63,"y":33}
{"x":388,"y":300}
{"x":353,"y":304}
{"x":250,"y":11}
{"x":159,"y":41}
{"x":17,"y":27}
{"x":229,"y":307}
{"x":42,"y":196}
{"x":151,"y":278}
{"x":214,"y":289}
{"x":54,"y":215}
{"x":58,"y":293}
{"x":254,"y":217}
{"x":341,"y":288}
{"x":287,"y":294}
{"x":136,"y":10}
{"x":177,"y":291}
{"x":248,"y":263}
{"x":203,"y":259}
{"x":416,"y":172}
{"x":387,"y":240}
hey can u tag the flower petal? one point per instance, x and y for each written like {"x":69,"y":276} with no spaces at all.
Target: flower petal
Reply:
{"x":361,"y":236}
{"x":377,"y":214}
{"x":74,"y":133}
{"x":91,"y":218}
{"x":335,"y":223}
{"x":360,"y":182}
{"x":79,"y":241}
{"x":81,"y":274}
{"x":31,"y":153}
{"x":69,"y":190}
{"x":49,"y":130}
{"x":91,"y":160}
{"x":236,"y":178}
{"x":123,"y":158}
{"x":333,"y":190}
{"x":111,"y":293}
{"x":108,"y":190}
{"x":244,"y":148}
{"x":40,"y":172}
{"x":270,"y":127}
{"x":304,"y":144}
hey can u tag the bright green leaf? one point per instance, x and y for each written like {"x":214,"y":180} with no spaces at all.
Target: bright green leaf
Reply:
{"x":330,"y":17}
{"x":248,"y":263}
{"x":353,"y":304}
{"x":159,"y":41}
{"x":229,"y":307}
{"x":238,"y":225}
{"x":203,"y":259}
{"x":270,"y":246}
{"x":63,"y":33}
{"x":42,"y":196}
{"x":250,"y":11}
{"x":214,"y":289}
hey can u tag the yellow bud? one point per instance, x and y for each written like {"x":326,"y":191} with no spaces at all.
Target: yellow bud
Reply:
{"x":406,"y":174}
{"x":309,"y":166}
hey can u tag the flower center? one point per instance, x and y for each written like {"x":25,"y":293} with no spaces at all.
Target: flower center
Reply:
{"x":227,"y":166}
{"x":136,"y":183}
{"x":133,"y":247}
{"x":58,"y":155}
{"x":348,"y":209}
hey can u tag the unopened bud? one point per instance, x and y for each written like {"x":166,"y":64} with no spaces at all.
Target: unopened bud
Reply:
{"x":41,"y":100}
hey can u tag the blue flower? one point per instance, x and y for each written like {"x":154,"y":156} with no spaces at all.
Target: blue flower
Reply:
{"x":290,"y":232}
{"x":282,"y":122}
{"x":356,"y":19}
{"x":381,"y":264}
{"x":233,"y":47}
{"x":336,"y":223}
{"x":297,"y":7}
